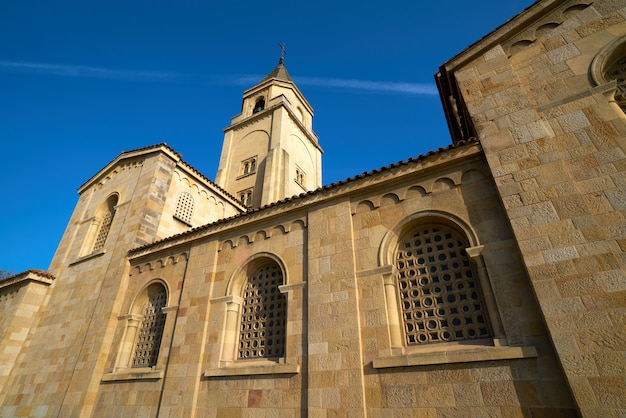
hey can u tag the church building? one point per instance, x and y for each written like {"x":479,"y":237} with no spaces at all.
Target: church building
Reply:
{"x":487,"y":278}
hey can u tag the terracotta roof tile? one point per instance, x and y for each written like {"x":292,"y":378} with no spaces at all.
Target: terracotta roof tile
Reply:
{"x":312,"y":192}
{"x":42,"y":273}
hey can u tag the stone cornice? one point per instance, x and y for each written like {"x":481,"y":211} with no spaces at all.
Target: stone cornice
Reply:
{"x":37,"y":276}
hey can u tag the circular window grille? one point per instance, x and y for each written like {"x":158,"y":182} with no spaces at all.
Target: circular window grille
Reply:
{"x":262,"y":333}
{"x":438,"y":287}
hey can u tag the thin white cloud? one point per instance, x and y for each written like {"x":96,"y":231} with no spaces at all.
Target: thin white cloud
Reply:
{"x":84,"y":71}
{"x":369,"y":85}
{"x":139,"y":75}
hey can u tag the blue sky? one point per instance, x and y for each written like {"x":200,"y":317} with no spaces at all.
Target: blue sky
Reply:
{"x":82,"y":81}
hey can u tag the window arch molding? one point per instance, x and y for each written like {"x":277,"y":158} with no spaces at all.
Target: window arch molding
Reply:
{"x":601,"y":64}
{"x":238,"y":278}
{"x":604,"y":58}
{"x":391,"y":239}
{"x":104,"y":206}
{"x":141,"y":295}
{"x":387,"y":262}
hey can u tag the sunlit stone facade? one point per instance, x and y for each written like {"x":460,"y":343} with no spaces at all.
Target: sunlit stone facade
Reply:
{"x":484,"y":279}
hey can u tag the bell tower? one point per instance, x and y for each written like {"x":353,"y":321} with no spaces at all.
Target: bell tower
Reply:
{"x":270,"y":151}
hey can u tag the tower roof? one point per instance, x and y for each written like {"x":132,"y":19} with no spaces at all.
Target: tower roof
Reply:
{"x":280,"y":72}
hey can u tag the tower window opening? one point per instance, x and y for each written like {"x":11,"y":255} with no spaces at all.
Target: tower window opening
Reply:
{"x":245,"y":198}
{"x":259,"y":105}
{"x":299,"y":176}
{"x":248,"y":166}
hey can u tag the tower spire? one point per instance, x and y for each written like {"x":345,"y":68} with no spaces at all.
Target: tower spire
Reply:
{"x":270,"y":151}
{"x":283,"y":51}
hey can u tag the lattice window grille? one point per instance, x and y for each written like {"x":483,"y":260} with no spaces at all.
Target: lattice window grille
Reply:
{"x":151,"y":331}
{"x":103,"y":233}
{"x":184,"y":208}
{"x":262,"y":333}
{"x":617,"y":72}
{"x":438,"y":287}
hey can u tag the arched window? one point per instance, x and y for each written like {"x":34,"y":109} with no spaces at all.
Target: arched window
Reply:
{"x":259,"y":105}
{"x":150,"y":331}
{"x":438,"y":287}
{"x":262,"y":329}
{"x":184,"y":208}
{"x":105,"y":225}
{"x":144,"y":325}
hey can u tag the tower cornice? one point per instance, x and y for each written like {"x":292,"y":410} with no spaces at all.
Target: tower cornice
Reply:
{"x":311,"y":136}
{"x":281,"y":83}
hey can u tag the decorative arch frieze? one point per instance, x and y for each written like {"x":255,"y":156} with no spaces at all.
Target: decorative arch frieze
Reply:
{"x":263,"y":234}
{"x":260,"y":236}
{"x":546,"y":28}
{"x":363,"y":206}
{"x":159,"y":263}
{"x":116,"y":170}
{"x":243,"y":240}
{"x":573,"y":10}
{"x":443,"y":184}
{"x":227,"y":245}
{"x":519,"y":46}
{"x":278,"y":230}
{"x":415,"y":191}
{"x":550,"y":25}
{"x":426,"y":187}
{"x":389,"y":199}
{"x":472,"y":175}
{"x":297,"y":225}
